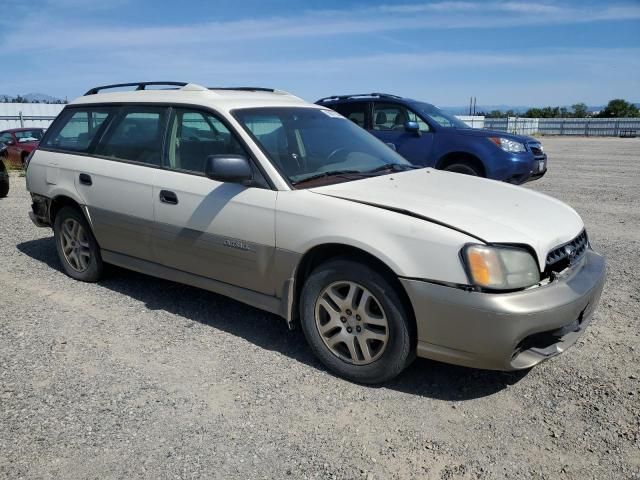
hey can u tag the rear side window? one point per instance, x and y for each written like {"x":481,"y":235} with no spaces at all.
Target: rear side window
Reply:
{"x":135,"y":135}
{"x":356,"y":112}
{"x":76,"y":128}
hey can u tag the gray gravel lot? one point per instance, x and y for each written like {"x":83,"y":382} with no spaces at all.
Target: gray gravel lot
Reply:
{"x":136,"y":377}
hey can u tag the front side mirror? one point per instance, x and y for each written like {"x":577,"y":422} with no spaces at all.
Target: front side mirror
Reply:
{"x":228,"y":168}
{"x":412,"y":127}
{"x":9,"y":142}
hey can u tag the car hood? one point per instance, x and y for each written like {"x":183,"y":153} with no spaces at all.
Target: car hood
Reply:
{"x":491,"y":211}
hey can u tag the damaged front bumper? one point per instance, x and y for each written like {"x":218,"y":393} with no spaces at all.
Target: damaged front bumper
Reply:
{"x":506,"y":331}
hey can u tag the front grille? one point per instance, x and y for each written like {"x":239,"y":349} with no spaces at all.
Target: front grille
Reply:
{"x":567,"y":254}
{"x":536,"y":149}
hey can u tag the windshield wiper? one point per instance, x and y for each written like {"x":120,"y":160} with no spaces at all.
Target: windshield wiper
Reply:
{"x":396,"y":167}
{"x":331,"y":173}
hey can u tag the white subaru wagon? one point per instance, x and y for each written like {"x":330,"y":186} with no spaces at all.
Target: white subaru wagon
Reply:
{"x":255,"y":194}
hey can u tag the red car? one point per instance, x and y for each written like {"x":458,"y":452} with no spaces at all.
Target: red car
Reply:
{"x":20,"y":143}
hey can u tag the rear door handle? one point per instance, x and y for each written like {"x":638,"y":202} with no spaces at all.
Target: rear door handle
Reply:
{"x":168,"y":197}
{"x":85,"y":179}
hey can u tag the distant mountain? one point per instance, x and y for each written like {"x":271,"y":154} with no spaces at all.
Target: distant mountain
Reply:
{"x":485,"y":108}
{"x":40,"y":97}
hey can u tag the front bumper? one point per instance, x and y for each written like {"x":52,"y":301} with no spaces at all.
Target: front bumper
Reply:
{"x":508,"y":331}
{"x":526,"y":168}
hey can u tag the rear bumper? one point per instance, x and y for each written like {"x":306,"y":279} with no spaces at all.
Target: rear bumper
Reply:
{"x":508,"y":331}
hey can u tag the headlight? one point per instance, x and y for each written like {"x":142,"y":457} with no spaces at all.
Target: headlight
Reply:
{"x":508,"y":145}
{"x":500,"y":268}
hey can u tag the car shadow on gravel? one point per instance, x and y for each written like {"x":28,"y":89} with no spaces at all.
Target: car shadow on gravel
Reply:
{"x":424,"y":377}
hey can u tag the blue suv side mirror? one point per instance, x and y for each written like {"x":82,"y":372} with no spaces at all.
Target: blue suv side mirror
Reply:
{"x":412,"y":127}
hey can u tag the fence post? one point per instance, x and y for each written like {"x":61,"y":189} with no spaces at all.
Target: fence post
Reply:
{"x":586,"y":127}
{"x":21,"y":119}
{"x":616,"y":132}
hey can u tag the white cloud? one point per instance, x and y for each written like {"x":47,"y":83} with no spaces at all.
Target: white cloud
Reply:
{"x":64,"y":33}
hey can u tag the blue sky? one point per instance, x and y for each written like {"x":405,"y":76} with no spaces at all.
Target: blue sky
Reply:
{"x":502,"y":52}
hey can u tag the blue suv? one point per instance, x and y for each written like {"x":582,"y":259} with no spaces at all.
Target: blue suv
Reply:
{"x":427,"y":136}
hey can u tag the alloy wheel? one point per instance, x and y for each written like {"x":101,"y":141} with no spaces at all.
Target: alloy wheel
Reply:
{"x":75,"y":245}
{"x":351,"y":322}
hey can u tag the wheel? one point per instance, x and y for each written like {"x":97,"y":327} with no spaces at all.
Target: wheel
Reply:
{"x":77,"y":248}
{"x":355,"y":322}
{"x":23,"y":160}
{"x":4,"y":181}
{"x":464,"y":168}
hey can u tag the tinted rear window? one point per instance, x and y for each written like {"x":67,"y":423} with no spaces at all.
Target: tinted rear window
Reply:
{"x":135,"y":135}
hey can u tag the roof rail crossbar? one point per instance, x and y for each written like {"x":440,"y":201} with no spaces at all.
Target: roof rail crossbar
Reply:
{"x":244,"y":89}
{"x":138,"y":85}
{"x":344,"y":97}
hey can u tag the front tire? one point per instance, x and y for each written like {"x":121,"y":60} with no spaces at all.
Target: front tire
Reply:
{"x":355,"y":322}
{"x":464,"y":168}
{"x":77,"y":248}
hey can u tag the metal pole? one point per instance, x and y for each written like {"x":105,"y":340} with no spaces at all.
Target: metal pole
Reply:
{"x":21,"y":119}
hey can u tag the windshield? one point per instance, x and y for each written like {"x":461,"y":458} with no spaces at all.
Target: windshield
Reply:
{"x":307,"y":143}
{"x":29,"y":135}
{"x":441,"y":118}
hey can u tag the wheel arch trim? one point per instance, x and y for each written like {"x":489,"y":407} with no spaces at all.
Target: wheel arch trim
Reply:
{"x":462,"y":155}
{"x":330,"y":249}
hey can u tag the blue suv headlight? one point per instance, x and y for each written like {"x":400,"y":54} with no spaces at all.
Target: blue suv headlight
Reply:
{"x":508,"y":145}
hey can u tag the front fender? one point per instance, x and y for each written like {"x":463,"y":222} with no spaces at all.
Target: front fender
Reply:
{"x":411,"y":247}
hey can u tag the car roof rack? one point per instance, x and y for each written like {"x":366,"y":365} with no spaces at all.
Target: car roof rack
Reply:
{"x":138,"y":85}
{"x":245,"y":89}
{"x":344,"y":97}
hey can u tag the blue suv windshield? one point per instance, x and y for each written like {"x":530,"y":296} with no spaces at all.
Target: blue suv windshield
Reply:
{"x":438,"y":116}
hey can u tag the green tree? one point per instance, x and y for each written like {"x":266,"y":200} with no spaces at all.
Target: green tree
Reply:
{"x":493,"y":114}
{"x":579,"y":110}
{"x":619,"y":108}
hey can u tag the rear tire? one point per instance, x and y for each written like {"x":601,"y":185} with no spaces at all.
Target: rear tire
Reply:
{"x":464,"y":168}
{"x":4,"y":181}
{"x":77,"y":248}
{"x":355,"y":322}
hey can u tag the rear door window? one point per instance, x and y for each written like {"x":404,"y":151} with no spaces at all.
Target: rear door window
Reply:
{"x":76,"y":129}
{"x":135,"y":135}
{"x":356,"y":112}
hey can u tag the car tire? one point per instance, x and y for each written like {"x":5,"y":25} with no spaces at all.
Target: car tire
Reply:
{"x":4,"y":181}
{"x":464,"y":168}
{"x":377,"y":324}
{"x":77,"y":248}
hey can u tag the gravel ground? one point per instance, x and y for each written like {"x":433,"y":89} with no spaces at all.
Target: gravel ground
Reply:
{"x":137,"y":377}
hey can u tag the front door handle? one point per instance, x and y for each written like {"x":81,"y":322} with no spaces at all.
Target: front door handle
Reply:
{"x":85,"y":179}
{"x":168,"y":197}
